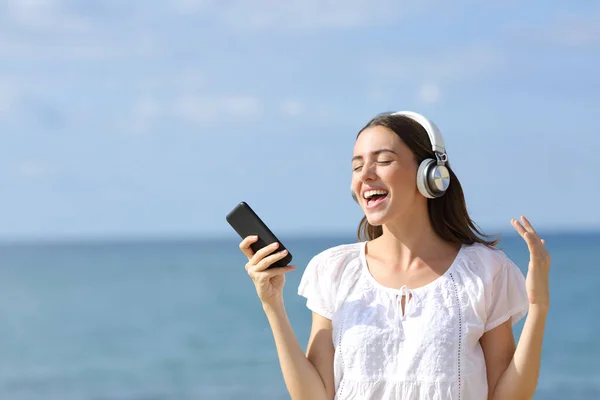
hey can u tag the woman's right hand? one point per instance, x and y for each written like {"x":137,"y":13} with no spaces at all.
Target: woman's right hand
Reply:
{"x":268,"y":282}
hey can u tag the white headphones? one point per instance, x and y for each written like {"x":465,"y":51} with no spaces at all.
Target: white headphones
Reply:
{"x":433,"y":177}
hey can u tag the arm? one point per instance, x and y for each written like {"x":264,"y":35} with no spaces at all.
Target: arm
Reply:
{"x":307,"y":376}
{"x":498,"y":347}
{"x":518,"y":378}
{"x":513,"y":374}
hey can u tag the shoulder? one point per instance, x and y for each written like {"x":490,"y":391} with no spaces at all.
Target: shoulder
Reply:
{"x":336,"y":261}
{"x":328,"y":275}
{"x":487,"y":262}
{"x":504,"y":293}
{"x":481,"y":253}
{"x":339,"y":255}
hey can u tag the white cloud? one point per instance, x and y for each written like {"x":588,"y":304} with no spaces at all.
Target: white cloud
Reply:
{"x":572,"y":29}
{"x":300,"y":14}
{"x":577,"y":30}
{"x":429,"y":93}
{"x":47,"y":15}
{"x":292,"y":108}
{"x":144,"y":113}
{"x":427,"y":73}
{"x":92,"y":47}
{"x":8,"y":98}
{"x":452,"y":66}
{"x":27,"y":11}
{"x":69,"y":30}
{"x":146,"y":108}
{"x":240,"y":106}
{"x":201,"y":110}
{"x":189,"y":6}
{"x":34,"y":170}
{"x":189,"y":78}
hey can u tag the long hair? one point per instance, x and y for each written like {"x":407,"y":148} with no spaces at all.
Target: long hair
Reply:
{"x":448,"y":214}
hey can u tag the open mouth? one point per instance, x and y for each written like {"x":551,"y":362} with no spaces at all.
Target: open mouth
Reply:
{"x":375,"y":197}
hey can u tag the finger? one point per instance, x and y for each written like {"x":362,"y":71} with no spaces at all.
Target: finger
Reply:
{"x":280,"y":271}
{"x":522,"y":230}
{"x":266,"y":275}
{"x":532,"y":235}
{"x":262,"y":253}
{"x":268,"y":261}
{"x":528,"y":225}
{"x":538,"y":251}
{"x":245,"y":245}
{"x":531,"y":241}
{"x":518,"y":227}
{"x":524,"y":234}
{"x":535,"y":246}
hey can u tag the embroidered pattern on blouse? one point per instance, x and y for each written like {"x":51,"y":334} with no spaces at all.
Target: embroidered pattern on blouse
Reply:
{"x":459,"y":330}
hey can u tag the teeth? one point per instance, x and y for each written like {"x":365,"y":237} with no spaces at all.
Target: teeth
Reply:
{"x":370,"y":193}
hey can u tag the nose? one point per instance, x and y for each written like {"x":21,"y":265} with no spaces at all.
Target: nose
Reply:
{"x":367,"y":172}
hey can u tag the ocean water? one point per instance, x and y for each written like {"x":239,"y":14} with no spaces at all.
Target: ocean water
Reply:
{"x":179,"y":320}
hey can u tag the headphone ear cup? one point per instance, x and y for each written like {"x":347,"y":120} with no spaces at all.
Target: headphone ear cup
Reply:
{"x":432,"y":179}
{"x":422,"y":177}
{"x":438,"y":180}
{"x":353,"y":195}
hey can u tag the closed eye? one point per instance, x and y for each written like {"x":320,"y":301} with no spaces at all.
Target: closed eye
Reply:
{"x":382,"y":162}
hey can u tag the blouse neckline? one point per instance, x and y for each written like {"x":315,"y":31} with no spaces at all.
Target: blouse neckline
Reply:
{"x":365,"y":270}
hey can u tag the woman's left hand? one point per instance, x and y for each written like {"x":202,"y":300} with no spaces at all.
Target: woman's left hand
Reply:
{"x":537,"y":281}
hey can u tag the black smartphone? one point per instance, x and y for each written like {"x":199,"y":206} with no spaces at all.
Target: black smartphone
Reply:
{"x":246,"y":223}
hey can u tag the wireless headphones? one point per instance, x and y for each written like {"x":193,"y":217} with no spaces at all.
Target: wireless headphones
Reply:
{"x":433,"y":177}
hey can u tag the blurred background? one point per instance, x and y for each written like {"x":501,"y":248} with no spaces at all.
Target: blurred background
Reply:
{"x":128,"y":130}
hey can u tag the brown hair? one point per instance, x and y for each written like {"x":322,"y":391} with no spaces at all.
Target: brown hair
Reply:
{"x":448,"y":213}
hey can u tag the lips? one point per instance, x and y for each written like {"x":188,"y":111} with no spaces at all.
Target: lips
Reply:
{"x":374,"y":197}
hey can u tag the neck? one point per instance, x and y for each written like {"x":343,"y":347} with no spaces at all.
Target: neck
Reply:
{"x":412,"y":236}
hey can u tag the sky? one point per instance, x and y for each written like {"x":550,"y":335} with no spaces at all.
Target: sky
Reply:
{"x":152,"y":118}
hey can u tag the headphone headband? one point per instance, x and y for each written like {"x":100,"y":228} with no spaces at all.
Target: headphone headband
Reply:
{"x":435,"y":136}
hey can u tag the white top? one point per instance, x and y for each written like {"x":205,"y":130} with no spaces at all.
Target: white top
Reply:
{"x":430,"y":353}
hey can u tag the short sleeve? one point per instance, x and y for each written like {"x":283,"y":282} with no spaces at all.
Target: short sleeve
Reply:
{"x":318,"y":287}
{"x":506,"y":296}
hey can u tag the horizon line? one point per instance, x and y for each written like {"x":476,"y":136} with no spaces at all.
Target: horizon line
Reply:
{"x":225,"y":236}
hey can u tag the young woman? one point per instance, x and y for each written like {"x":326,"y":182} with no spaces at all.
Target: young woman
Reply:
{"x":422,"y":306}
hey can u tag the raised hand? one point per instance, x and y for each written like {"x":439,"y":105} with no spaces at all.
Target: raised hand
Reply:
{"x":268,"y":282}
{"x":537,"y":280}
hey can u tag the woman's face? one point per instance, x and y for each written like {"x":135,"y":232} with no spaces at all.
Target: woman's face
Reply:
{"x":384,"y":175}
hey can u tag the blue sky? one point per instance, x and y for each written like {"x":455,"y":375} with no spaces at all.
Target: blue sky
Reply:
{"x":156,"y":118}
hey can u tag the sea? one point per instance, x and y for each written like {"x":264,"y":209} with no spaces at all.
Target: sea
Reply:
{"x":180,"y":320}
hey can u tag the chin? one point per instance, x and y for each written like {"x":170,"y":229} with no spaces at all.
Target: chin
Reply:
{"x":384,"y":215}
{"x":377,"y":218}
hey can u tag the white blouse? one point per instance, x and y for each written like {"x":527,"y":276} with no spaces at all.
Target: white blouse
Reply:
{"x":432,"y":352}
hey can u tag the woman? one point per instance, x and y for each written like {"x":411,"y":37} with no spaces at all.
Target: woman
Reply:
{"x":422,"y":307}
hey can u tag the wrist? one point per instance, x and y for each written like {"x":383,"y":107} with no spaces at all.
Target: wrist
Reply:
{"x":274,"y":307}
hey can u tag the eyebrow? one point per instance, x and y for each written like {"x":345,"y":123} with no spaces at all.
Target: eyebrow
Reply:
{"x":376,"y":152}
